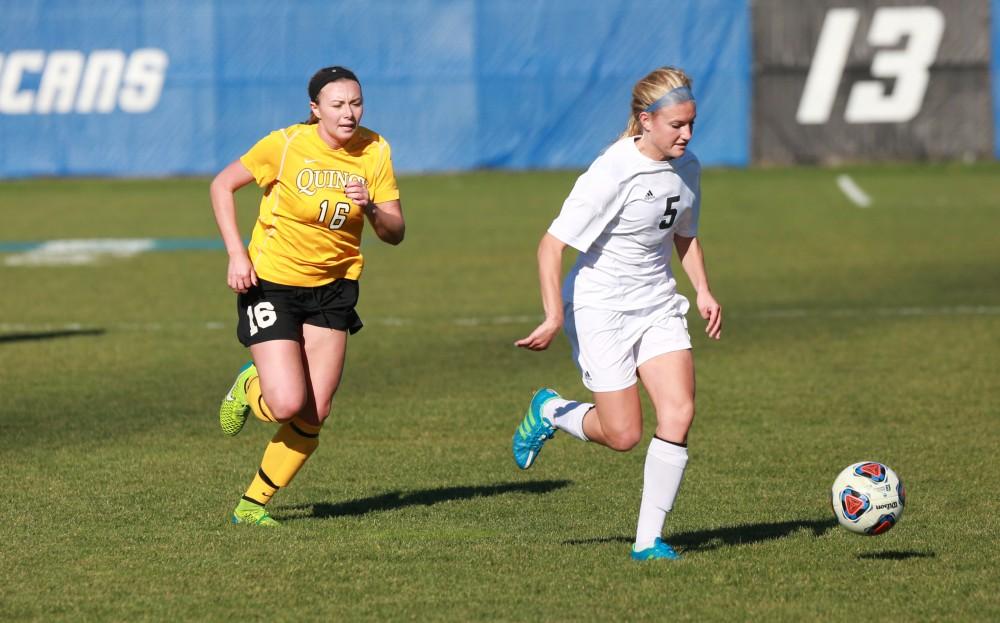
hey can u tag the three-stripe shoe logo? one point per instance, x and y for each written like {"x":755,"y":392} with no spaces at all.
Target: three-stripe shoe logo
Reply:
{"x":533,"y":431}
{"x":525,"y":428}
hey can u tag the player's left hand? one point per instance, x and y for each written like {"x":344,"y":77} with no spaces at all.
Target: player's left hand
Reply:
{"x":711,"y":311}
{"x":358,"y":193}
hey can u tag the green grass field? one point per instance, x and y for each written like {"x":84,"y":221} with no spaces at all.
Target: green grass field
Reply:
{"x":850,"y":334}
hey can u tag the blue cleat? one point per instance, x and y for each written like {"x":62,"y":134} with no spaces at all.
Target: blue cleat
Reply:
{"x":659,"y":551}
{"x":534,"y":430}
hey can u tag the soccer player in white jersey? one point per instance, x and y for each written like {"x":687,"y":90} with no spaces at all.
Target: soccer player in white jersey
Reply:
{"x":619,"y":303}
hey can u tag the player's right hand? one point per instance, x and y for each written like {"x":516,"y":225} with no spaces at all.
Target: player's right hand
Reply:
{"x":241,"y":276}
{"x":541,"y":337}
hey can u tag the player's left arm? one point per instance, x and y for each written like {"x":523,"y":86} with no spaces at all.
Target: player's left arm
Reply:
{"x":387,"y":220}
{"x":693,"y":260}
{"x":386,"y":213}
{"x":386,"y":217}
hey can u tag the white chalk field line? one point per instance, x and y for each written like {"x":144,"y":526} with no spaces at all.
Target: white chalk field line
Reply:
{"x":523,"y":320}
{"x":853,"y":192}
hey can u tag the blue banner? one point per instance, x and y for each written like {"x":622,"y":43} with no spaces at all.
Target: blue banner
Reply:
{"x":137,"y":88}
{"x":995,"y":72}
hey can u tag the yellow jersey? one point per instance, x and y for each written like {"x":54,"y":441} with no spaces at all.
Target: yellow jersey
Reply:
{"x":308,"y":232}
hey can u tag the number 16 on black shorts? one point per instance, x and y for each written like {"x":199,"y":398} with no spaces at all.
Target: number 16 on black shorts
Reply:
{"x":272,"y":311}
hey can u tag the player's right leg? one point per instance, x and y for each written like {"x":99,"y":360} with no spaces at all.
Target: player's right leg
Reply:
{"x":267,"y":313}
{"x":270,"y":324}
{"x":602,"y":342}
{"x":534,"y":430}
{"x":616,"y":420}
{"x":602,"y":347}
{"x":301,"y":380}
{"x":236,"y":406}
{"x":284,"y":379}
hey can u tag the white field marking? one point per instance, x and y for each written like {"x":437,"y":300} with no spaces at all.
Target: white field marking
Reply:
{"x":955,"y":310}
{"x":390,"y":321}
{"x":79,"y":252}
{"x":853,"y":191}
{"x":495,"y":320}
{"x":776,"y":314}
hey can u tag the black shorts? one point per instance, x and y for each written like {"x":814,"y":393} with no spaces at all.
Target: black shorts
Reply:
{"x":272,"y":311}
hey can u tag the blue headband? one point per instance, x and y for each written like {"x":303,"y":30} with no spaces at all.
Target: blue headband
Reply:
{"x":674,"y":96}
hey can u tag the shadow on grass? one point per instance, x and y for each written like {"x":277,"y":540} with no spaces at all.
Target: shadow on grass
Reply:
{"x":49,"y":335}
{"x":706,"y":540}
{"x":426,"y":497}
{"x":896,"y":555}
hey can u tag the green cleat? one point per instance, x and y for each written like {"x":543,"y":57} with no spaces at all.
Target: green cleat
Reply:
{"x":234,"y":410}
{"x":252,"y":514}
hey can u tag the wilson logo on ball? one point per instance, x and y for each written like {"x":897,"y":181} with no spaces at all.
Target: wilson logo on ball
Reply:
{"x":875,"y":471}
{"x":854,"y":503}
{"x":867,"y":498}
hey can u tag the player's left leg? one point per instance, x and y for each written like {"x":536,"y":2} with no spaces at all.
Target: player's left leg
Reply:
{"x":669,"y":381}
{"x":325,"y":351}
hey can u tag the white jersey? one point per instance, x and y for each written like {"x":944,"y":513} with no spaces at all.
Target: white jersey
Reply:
{"x":622,"y":215}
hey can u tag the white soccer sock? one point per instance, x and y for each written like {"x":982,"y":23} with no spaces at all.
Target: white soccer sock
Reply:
{"x":665,"y":463}
{"x":567,"y":415}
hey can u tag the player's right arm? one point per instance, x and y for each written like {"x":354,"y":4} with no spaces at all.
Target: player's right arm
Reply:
{"x":550,"y":251}
{"x":240,"y":275}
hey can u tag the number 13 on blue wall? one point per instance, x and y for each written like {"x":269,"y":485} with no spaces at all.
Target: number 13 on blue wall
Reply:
{"x":918,"y":29}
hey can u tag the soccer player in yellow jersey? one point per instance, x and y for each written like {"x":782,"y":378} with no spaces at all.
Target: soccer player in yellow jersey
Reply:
{"x":297,"y":283}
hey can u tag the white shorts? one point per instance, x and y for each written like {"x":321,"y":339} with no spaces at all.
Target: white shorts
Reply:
{"x":609,"y":346}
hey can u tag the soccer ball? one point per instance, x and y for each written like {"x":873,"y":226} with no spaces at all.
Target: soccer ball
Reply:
{"x":868,"y":498}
